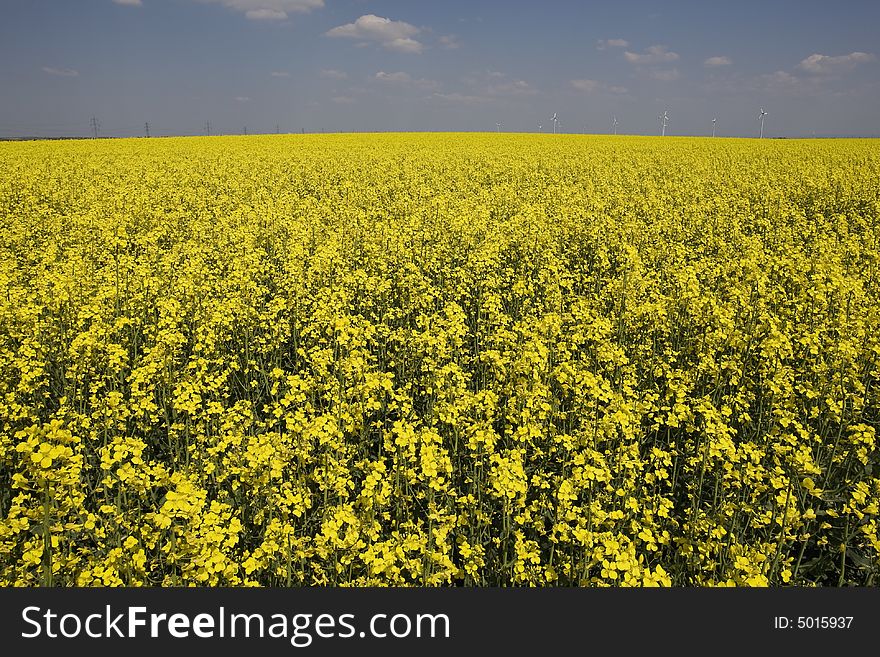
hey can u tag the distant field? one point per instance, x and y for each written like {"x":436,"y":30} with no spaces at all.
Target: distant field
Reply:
{"x":439,"y":359}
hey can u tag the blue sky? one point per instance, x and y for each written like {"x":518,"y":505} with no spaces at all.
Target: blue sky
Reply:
{"x":365,"y":65}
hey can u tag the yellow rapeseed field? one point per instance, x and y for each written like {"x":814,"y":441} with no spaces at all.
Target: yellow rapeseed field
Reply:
{"x":439,"y":360}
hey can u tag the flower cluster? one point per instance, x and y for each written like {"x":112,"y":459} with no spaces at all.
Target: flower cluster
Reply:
{"x":439,"y":360}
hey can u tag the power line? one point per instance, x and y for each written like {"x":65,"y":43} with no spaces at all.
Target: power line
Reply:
{"x":95,"y":124}
{"x":147,"y":128}
{"x":208,"y":128}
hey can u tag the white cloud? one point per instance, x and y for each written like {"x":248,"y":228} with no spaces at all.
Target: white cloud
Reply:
{"x":405,"y":45}
{"x":786,"y":83}
{"x":585,"y":85}
{"x":343,"y":100}
{"x":448,"y":41}
{"x":602,"y":44}
{"x":333,"y":74}
{"x":512,"y":88}
{"x":393,"y":35}
{"x":653,"y":55}
{"x":666,"y":75}
{"x":817,"y":71}
{"x":780,"y":77}
{"x":280,"y":74}
{"x":129,"y":3}
{"x":497,"y":84}
{"x":62,"y":72}
{"x":266,"y":14}
{"x":715,"y":62}
{"x":825,"y":64}
{"x":775,"y":83}
{"x":242,"y":99}
{"x":618,"y":90}
{"x":402,"y":78}
{"x":375,"y":28}
{"x":268,"y":10}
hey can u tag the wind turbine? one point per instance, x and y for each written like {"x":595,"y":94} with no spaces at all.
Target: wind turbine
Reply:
{"x":614,"y":123}
{"x":761,"y":118}
{"x":714,"y":121}
{"x":540,"y":128}
{"x":555,"y":120}
{"x":498,"y":126}
{"x":664,"y":120}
